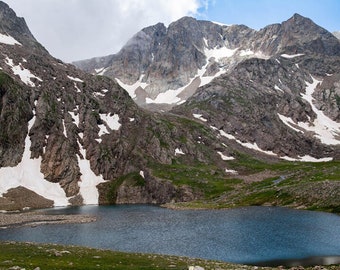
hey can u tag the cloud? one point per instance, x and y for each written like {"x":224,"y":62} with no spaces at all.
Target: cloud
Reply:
{"x":79,"y":29}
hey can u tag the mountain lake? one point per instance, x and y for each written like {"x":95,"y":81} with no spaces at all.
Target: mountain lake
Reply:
{"x":249,"y":235}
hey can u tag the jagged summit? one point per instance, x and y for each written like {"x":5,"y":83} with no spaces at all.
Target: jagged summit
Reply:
{"x":161,"y":67}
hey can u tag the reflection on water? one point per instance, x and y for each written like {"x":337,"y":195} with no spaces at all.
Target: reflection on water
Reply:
{"x":251,"y":235}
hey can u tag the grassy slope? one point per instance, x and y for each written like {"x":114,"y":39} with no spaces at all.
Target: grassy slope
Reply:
{"x":31,"y":256}
{"x":314,"y":186}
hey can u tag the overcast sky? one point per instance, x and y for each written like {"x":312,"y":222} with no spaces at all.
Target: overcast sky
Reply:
{"x":80,"y":29}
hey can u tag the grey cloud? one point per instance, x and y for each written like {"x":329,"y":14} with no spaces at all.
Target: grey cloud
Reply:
{"x":79,"y":29}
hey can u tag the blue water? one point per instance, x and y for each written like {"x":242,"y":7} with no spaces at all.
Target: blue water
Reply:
{"x":243,"y":235}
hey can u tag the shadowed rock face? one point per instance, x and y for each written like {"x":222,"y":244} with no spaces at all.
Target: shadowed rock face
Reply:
{"x":66,"y":130}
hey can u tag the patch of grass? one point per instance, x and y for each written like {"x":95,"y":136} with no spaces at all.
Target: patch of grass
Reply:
{"x":48,"y":256}
{"x":295,"y":184}
{"x":208,"y":179}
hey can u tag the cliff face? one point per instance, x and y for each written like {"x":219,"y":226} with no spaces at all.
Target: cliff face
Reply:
{"x":69,"y":137}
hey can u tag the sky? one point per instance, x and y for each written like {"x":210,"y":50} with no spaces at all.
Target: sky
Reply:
{"x":80,"y":29}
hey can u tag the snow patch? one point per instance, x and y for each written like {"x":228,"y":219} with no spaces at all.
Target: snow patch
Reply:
{"x":98,"y":94}
{"x":207,"y":79}
{"x":64,"y":131}
{"x":6,"y":39}
{"x":231,"y":171}
{"x":323,"y":127}
{"x":131,"y":88}
{"x":111,"y":120}
{"x":98,"y":70}
{"x":278,"y":88}
{"x":77,"y":88}
{"x":223,"y":157}
{"x":89,"y":180}
{"x":27,"y":174}
{"x":199,"y":116}
{"x":102,"y":130}
{"x":221,"y":24}
{"x":24,"y":74}
{"x":307,"y":158}
{"x":179,"y":151}
{"x":168,"y":97}
{"x":131,"y":119}
{"x":252,"y":146}
{"x":219,"y":53}
{"x":246,"y":52}
{"x":74,"y":79}
{"x":75,"y":118}
{"x":289,"y":56}
{"x":101,"y":93}
{"x":288,"y":122}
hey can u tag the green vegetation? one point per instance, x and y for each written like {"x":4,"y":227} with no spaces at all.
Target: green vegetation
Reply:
{"x":208,"y":179}
{"x":314,"y":186}
{"x":49,"y":256}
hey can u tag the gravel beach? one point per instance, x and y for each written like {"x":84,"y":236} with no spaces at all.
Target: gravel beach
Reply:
{"x":35,"y":219}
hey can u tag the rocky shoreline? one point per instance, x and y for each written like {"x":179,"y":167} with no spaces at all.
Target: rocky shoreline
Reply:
{"x":34,"y":219}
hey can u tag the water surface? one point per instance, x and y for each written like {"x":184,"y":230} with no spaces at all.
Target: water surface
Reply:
{"x":245,"y":235}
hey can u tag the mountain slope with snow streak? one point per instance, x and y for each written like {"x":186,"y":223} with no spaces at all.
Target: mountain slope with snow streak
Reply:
{"x":236,"y":98}
{"x":324,"y":128}
{"x":27,"y":174}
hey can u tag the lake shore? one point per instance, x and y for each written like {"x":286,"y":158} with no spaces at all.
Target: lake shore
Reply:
{"x":11,"y":219}
{"x":16,"y":255}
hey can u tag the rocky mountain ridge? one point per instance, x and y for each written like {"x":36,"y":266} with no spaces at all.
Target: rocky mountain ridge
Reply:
{"x":161,"y":67}
{"x":69,"y":137}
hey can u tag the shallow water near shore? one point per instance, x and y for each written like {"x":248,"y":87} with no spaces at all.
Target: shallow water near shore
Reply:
{"x":249,"y":235}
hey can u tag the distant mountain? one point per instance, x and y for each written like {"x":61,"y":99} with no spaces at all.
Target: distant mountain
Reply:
{"x":161,"y":67}
{"x":239,"y":102}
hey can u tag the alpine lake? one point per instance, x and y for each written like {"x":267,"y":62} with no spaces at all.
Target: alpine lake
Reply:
{"x":250,"y":235}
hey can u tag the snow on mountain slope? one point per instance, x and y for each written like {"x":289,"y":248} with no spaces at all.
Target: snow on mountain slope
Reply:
{"x":25,"y":75}
{"x":324,"y":128}
{"x":27,"y":174}
{"x":89,"y":180}
{"x":6,"y":39}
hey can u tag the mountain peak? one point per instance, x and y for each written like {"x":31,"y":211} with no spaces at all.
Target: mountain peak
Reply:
{"x":13,"y":25}
{"x":17,"y":28}
{"x":297,"y":16}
